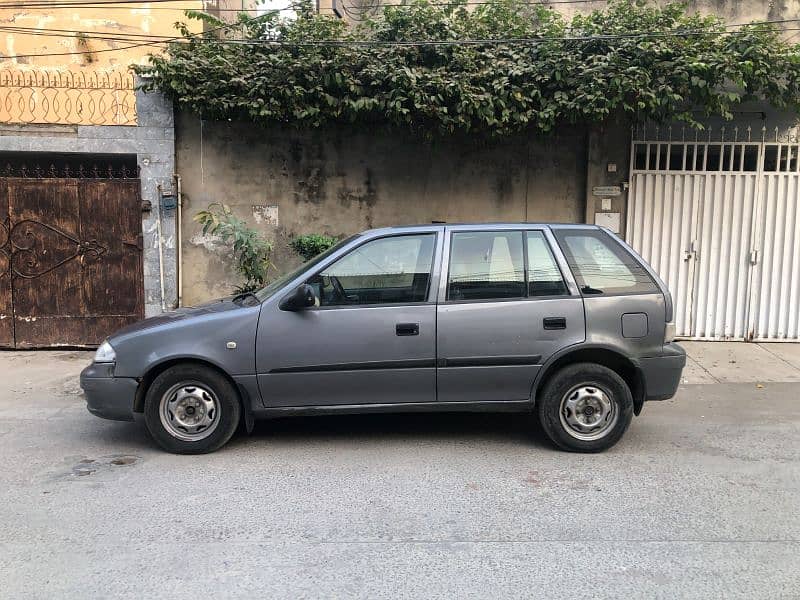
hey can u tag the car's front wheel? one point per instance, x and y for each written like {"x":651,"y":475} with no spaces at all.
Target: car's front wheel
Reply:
{"x":191,"y":409}
{"x":585,"y":407}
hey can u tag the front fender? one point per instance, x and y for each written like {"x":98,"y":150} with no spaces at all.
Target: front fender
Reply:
{"x":205,"y":337}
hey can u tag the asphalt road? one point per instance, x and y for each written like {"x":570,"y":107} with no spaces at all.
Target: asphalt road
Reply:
{"x":701,"y":499}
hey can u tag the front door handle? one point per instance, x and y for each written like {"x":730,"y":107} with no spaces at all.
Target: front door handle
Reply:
{"x":554,"y":322}
{"x":407,"y":329}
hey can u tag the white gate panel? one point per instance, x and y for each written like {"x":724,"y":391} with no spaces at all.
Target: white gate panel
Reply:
{"x":719,"y":220}
{"x":723,"y":258}
{"x":776,"y":280}
{"x":662,"y":219}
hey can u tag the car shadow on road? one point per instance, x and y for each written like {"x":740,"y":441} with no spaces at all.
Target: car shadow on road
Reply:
{"x":411,"y":427}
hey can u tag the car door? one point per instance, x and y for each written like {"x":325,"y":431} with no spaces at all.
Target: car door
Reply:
{"x":504,"y":308}
{"x":370,"y":340}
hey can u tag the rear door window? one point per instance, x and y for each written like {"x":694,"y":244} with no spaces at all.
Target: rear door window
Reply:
{"x":486,"y":265}
{"x":601,"y":265}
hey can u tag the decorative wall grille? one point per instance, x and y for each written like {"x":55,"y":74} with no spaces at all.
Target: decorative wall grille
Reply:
{"x":67,"y":97}
{"x":36,"y":165}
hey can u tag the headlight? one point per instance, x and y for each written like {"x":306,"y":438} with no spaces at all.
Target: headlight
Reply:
{"x":105,"y":353}
{"x":669,"y":333}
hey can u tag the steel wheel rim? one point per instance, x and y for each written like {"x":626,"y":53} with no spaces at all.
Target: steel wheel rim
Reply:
{"x":189,"y":411}
{"x":588,"y":412}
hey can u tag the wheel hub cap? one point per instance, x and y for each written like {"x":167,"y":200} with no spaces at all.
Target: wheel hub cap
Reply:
{"x":588,"y":412}
{"x":189,"y":412}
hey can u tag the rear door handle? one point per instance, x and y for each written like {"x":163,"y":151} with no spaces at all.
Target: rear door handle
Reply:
{"x":407,"y":329}
{"x":554,"y":323}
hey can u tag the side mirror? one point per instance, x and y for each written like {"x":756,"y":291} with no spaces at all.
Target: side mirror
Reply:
{"x":301,"y":298}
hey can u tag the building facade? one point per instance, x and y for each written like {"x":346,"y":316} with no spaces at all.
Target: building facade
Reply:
{"x":95,"y":177}
{"x":88,"y":197}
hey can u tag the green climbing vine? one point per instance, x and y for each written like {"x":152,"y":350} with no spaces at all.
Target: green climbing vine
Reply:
{"x":497,"y":68}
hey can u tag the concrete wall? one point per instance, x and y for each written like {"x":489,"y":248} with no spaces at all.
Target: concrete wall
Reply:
{"x":152,"y":141}
{"x":286,"y":182}
{"x":733,"y":11}
{"x":608,"y":167}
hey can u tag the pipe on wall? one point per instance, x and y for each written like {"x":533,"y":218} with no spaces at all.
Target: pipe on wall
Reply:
{"x":179,"y":236}
{"x":160,"y":242}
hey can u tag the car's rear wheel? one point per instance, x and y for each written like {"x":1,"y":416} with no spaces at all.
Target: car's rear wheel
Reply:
{"x":191,"y":409}
{"x":585,"y":407}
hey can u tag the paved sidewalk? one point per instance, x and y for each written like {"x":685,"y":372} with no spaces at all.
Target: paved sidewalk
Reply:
{"x":738,"y":362}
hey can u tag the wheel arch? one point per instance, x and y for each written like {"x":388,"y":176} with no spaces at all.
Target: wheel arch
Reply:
{"x":602,"y":355}
{"x":155,"y":370}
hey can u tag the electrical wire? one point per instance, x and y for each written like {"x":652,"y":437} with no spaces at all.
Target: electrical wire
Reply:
{"x":153,"y":40}
{"x":108,"y":4}
{"x":123,"y":36}
{"x":124,"y":5}
{"x":137,"y":45}
{"x":488,"y":41}
{"x":377,"y":4}
{"x":172,"y":8}
{"x":79,"y":3}
{"x":117,"y":36}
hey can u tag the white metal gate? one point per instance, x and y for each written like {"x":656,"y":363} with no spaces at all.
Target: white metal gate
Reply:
{"x":719,"y":221}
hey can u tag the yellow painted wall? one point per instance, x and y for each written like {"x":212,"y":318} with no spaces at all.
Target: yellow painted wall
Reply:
{"x":79,"y":80}
{"x":141,"y":18}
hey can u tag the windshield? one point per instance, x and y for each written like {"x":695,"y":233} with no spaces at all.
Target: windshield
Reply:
{"x":281,"y":281}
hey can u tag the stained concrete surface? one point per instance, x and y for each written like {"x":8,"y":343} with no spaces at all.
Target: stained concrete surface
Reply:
{"x":736,"y":362}
{"x":699,"y":500}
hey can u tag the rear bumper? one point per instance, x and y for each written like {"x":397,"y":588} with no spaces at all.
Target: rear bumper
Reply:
{"x":662,"y":374}
{"x":107,"y":396}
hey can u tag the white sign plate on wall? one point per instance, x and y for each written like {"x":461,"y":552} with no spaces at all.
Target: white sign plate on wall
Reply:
{"x":606,"y":190}
{"x":609,"y":220}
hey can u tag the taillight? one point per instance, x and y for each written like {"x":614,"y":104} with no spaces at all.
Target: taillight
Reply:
{"x":669,"y":333}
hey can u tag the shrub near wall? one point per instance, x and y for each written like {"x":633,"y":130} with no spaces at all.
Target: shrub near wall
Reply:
{"x":311,"y":245}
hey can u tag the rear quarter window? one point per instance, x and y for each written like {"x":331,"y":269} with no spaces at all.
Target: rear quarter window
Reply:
{"x":601,"y":265}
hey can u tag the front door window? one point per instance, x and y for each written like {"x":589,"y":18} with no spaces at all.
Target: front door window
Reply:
{"x":390,"y":270}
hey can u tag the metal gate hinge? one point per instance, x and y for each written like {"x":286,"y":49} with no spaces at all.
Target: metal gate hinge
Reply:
{"x":691,"y":251}
{"x":753,"y":257}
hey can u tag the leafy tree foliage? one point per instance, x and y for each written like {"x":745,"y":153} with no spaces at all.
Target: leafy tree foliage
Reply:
{"x":498,"y":68}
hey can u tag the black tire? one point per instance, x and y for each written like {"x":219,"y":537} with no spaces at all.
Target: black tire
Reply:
{"x":584,"y":382}
{"x":221,"y":393}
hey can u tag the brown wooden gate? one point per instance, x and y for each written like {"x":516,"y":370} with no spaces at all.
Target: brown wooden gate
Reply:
{"x":70,"y":259}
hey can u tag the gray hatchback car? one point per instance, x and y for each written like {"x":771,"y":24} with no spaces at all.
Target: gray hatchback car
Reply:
{"x":563,"y":320}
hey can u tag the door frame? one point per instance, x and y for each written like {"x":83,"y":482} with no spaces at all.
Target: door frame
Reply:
{"x":321,"y":372}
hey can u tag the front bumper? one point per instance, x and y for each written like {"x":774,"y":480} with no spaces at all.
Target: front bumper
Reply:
{"x":107,"y":396}
{"x":662,"y":374}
